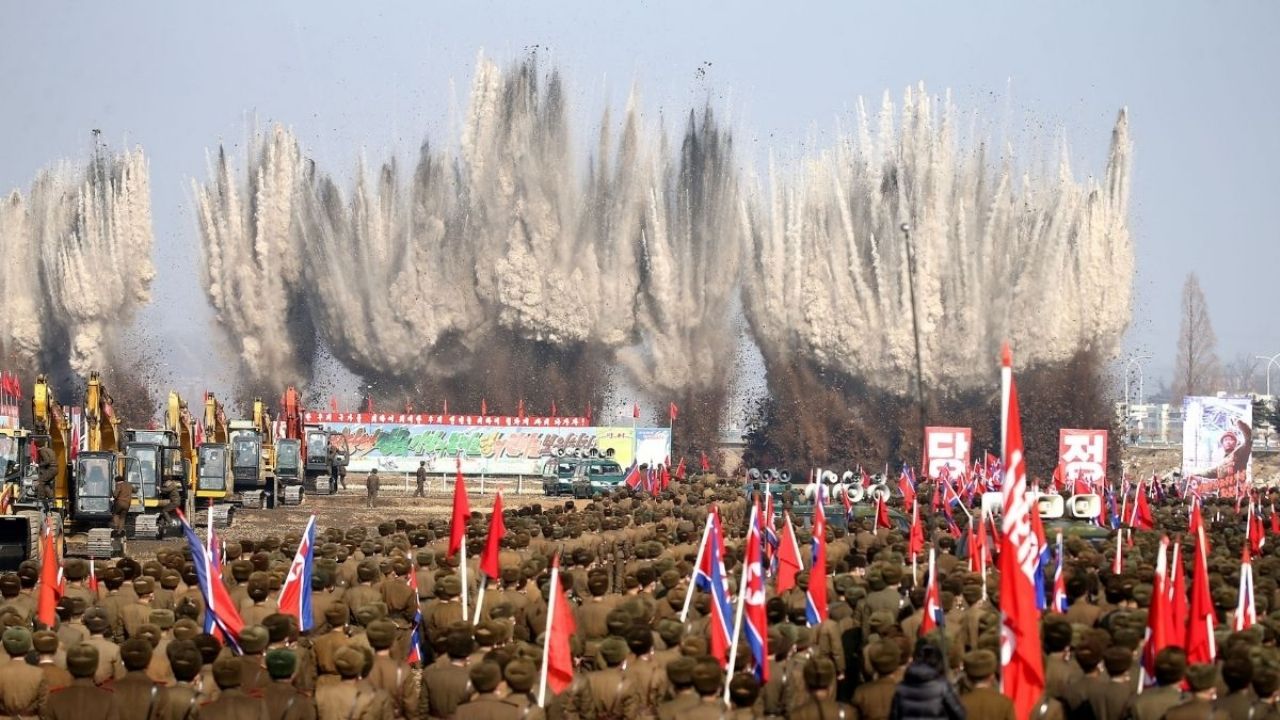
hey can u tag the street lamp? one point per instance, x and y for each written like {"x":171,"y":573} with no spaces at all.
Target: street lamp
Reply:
{"x":915,"y":322}
{"x":1135,"y":360}
{"x":1270,"y":361}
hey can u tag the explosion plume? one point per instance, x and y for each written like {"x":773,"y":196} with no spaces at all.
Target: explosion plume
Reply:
{"x":1044,"y":261}
{"x":253,"y":249}
{"x":80,"y":243}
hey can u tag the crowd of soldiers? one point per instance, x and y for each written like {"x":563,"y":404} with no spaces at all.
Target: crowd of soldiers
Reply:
{"x":136,"y":646}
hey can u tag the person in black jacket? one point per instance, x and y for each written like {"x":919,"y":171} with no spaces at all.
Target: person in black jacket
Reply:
{"x":925,"y":693}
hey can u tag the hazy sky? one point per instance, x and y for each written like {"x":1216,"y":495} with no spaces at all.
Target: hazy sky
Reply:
{"x":375,"y":78}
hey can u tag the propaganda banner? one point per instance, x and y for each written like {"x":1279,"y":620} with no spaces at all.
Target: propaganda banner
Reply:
{"x":947,"y":447}
{"x":489,"y":449}
{"x":1082,"y":454}
{"x":1217,"y":445}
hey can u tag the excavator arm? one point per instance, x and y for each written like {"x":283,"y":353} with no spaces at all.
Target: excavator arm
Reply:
{"x":48,"y":420}
{"x":178,"y":420}
{"x":102,"y":425}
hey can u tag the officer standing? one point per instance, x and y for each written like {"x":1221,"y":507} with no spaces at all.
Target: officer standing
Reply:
{"x":47,"y":462}
{"x":422,"y":479}
{"x":173,"y":491}
{"x":371,"y":484}
{"x":121,"y":499}
{"x":83,"y":699}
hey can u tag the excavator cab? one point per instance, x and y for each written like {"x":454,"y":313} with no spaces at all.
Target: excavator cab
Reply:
{"x":289,"y":470}
{"x":214,"y":479}
{"x":95,"y":476}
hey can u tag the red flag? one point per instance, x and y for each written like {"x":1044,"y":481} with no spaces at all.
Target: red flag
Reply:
{"x":461,"y":512}
{"x":1023,"y":677}
{"x":882,"y":515}
{"x":816,"y":597}
{"x":1179,"y":613}
{"x":1255,"y":531}
{"x":906,"y":488}
{"x":932,"y":601}
{"x":47,"y":600}
{"x":446,"y":407}
{"x":1159,"y":615}
{"x":680,"y":470}
{"x":333,"y":404}
{"x":673,"y":412}
{"x":788,"y":557}
{"x":553,"y":408}
{"x":635,"y":411}
{"x":93,"y":578}
{"x":6,"y":499}
{"x":915,"y":543}
{"x":1142,"y":519}
{"x":484,"y":407}
{"x":520,"y":410}
{"x":493,"y":543}
{"x":866,"y":479}
{"x":1275,"y":521}
{"x":706,"y":464}
{"x":978,"y":546}
{"x":588,"y":413}
{"x":666,"y":478}
{"x":557,"y":663}
{"x":1201,"y":644}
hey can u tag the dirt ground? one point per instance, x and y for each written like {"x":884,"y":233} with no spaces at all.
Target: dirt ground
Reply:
{"x":1145,"y":461}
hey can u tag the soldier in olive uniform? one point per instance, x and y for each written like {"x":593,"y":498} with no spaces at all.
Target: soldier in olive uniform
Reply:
{"x":136,"y":695}
{"x":421,"y":477}
{"x":447,"y":683}
{"x":486,"y":704}
{"x":23,"y":688}
{"x":47,"y":462}
{"x":521,"y":676}
{"x":983,"y":700}
{"x":182,"y":698}
{"x":819,"y":674}
{"x":612,"y":696}
{"x":389,"y":675}
{"x":1199,"y":706}
{"x":350,"y":698}
{"x":83,"y":699}
{"x":232,"y":702}
{"x":283,"y":700}
{"x":46,"y":646}
{"x":708,"y":682}
{"x":874,"y":700}
{"x":371,"y":484}
{"x":1152,"y":704}
{"x":121,"y":499}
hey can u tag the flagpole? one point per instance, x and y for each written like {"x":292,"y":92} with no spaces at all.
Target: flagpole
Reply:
{"x":737,"y":616}
{"x":463,"y":565}
{"x":484,"y":580}
{"x":702,"y":548}
{"x":553,"y":591}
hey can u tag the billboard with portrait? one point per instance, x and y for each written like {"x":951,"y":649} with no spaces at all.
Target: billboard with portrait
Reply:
{"x":1217,"y":444}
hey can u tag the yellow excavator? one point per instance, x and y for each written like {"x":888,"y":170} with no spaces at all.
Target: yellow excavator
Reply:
{"x":253,"y":459}
{"x":49,"y":429}
{"x":213,"y":481}
{"x":95,"y":469}
{"x":165,"y":462}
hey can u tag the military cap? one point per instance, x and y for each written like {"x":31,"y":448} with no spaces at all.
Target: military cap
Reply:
{"x":425,"y":558}
{"x":280,"y":627}
{"x":819,"y":672}
{"x":170,"y":579}
{"x":209,"y":647}
{"x":45,"y":642}
{"x":1202,"y":677}
{"x":82,"y":660}
{"x":97,"y":620}
{"x":161,"y":618}
{"x":449,"y":586}
{"x":614,"y":651}
{"x":707,"y":677}
{"x":17,"y":641}
{"x":1117,"y":660}
{"x":1266,"y":682}
{"x":598,"y":584}
{"x":381,"y":634}
{"x":10,"y":584}
{"x":692,"y":646}
{"x":75,"y":569}
{"x":369,"y":612}
{"x":226,"y":672}
{"x":1057,"y":634}
{"x":144,"y":585}
{"x":1237,"y":671}
{"x":1171,"y":665}
{"x":892,"y":574}
{"x":367,"y":571}
{"x":485,"y":676}
{"x":510,"y":575}
{"x":680,"y":671}
{"x":501,"y":611}
{"x":979,"y":665}
{"x":459,"y":644}
{"x":281,"y":663}
{"x":136,"y":653}
{"x":520,"y":675}
{"x":254,"y":639}
{"x":337,"y":614}
{"x":184,"y":659}
{"x":885,"y":657}
{"x":744,"y":689}
{"x":349,"y":661}
{"x":670,"y":630}
{"x":881,"y":622}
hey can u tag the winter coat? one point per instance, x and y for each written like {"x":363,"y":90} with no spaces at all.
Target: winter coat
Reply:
{"x":924,"y":694}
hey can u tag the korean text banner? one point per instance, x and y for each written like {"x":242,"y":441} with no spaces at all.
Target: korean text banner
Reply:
{"x":1082,"y":455}
{"x":1217,"y":444}
{"x":947,"y":447}
{"x":488,"y":450}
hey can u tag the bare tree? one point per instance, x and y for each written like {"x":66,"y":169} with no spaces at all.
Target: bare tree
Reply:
{"x":1196,"y":363}
{"x":1243,"y":374}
